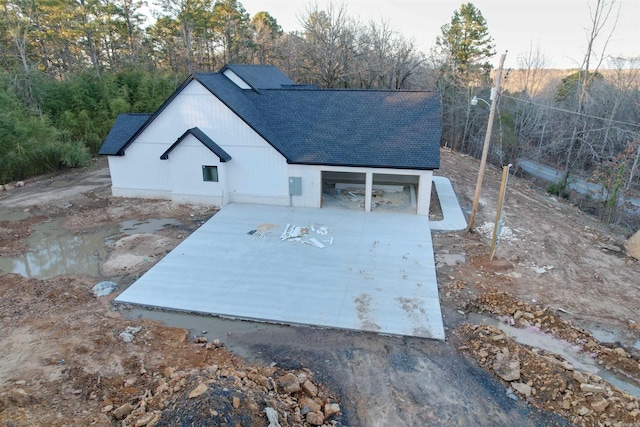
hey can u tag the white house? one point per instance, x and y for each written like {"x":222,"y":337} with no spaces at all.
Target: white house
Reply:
{"x":248,"y":134}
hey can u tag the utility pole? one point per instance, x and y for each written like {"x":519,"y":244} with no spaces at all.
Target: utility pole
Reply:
{"x":487,"y":140}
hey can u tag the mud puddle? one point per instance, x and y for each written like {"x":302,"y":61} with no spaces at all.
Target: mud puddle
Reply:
{"x":581,"y":360}
{"x":211,"y":327}
{"x":54,"y":251}
{"x":13,"y":215}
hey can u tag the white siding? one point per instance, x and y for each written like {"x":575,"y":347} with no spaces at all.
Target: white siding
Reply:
{"x":257,"y":173}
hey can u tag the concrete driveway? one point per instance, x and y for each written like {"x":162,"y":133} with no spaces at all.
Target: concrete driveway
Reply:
{"x":375,"y":272}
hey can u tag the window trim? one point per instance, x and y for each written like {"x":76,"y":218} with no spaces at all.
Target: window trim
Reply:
{"x":207,"y":171}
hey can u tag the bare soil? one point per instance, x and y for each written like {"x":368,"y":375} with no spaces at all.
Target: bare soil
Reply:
{"x":65,"y":359}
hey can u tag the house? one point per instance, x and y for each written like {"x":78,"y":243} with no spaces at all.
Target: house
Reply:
{"x":248,"y":134}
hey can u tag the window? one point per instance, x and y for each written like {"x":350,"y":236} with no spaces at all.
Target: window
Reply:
{"x":210,"y":173}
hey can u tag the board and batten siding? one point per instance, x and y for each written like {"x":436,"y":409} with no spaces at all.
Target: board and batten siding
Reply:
{"x":256,"y":173}
{"x":312,"y":183}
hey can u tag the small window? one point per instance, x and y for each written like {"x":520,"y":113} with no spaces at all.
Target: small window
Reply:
{"x":210,"y":173}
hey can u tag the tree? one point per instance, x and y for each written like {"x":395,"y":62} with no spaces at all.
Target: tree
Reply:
{"x":329,"y":45}
{"x":463,"y":51}
{"x":231,"y":24}
{"x":266,"y":34}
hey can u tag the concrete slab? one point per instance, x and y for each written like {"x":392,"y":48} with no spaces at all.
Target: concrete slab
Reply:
{"x":453,"y":218}
{"x":377,"y":274}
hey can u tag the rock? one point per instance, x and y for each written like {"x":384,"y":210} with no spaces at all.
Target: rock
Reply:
{"x":123,"y":410}
{"x":236,"y":402}
{"x":632,"y":244}
{"x":522,"y":388}
{"x":20,"y":184}
{"x":9,"y":187}
{"x":106,"y":409}
{"x":579,"y":377}
{"x":200,"y":340}
{"x":310,"y":388}
{"x":315,"y":418}
{"x":483,"y":353}
{"x":1,"y":187}
{"x":612,"y":248}
{"x":507,"y":367}
{"x":145,"y":419}
{"x":331,"y":409}
{"x":198,"y":391}
{"x":600,"y":405}
{"x":566,"y":404}
{"x":126,"y":337}
{"x":592,"y":388}
{"x":518,"y":314}
{"x":620,"y":351}
{"x":272,"y":416}
{"x":308,"y":405}
{"x":289,"y":382}
{"x":583,"y":411}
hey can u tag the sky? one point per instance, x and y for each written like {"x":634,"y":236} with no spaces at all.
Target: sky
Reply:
{"x":558,"y":27}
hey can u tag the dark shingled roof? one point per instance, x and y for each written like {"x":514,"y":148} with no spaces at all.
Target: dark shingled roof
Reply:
{"x":260,"y":76}
{"x":202,"y":137}
{"x":125,"y":126}
{"x":372,"y":128}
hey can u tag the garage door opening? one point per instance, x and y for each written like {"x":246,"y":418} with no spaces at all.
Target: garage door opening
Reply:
{"x":395,"y":193}
{"x":343,"y":190}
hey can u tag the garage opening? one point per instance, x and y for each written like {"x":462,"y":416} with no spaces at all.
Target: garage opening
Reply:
{"x":343,"y":190}
{"x":395,"y":193}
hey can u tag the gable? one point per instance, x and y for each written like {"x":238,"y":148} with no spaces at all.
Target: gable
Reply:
{"x":204,"y":139}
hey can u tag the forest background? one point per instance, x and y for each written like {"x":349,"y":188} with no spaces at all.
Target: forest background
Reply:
{"x":69,"y":67}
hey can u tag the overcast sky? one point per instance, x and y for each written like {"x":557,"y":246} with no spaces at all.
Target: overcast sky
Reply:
{"x":558,"y":27}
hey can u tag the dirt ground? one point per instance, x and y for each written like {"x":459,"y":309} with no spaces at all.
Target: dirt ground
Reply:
{"x":68,"y":358}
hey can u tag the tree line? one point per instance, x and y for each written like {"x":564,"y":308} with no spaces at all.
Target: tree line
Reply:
{"x":69,"y":67}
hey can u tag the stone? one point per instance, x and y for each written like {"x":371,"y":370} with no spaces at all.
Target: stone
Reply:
{"x":592,"y":388}
{"x":579,"y":377}
{"x":272,"y":416}
{"x":517,"y":315}
{"x":507,"y":367}
{"x":198,"y":391}
{"x":583,"y":411}
{"x":632,"y":244}
{"x":600,"y":405}
{"x":236,"y":402}
{"x":612,"y":248}
{"x":145,"y":419}
{"x":331,"y":409}
{"x":289,"y":382}
{"x":123,"y":410}
{"x":522,"y":388}
{"x":483,"y":353}
{"x":1,"y":187}
{"x":9,"y":187}
{"x":566,"y":404}
{"x":169,"y":371}
{"x":106,"y":409}
{"x":200,"y":340}
{"x":310,"y":388}
{"x":308,"y":405}
{"x":620,"y":351}
{"x":315,"y":418}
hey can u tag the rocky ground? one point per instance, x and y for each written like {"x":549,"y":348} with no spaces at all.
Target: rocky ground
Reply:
{"x":70,"y":358}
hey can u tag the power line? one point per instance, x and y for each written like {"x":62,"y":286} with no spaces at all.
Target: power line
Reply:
{"x":572,"y":112}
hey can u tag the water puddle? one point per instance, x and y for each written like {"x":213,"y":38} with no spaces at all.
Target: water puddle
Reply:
{"x":215,"y":327}
{"x":13,"y":215}
{"x":148,"y":226}
{"x":580,"y":360}
{"x":54,"y":251}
